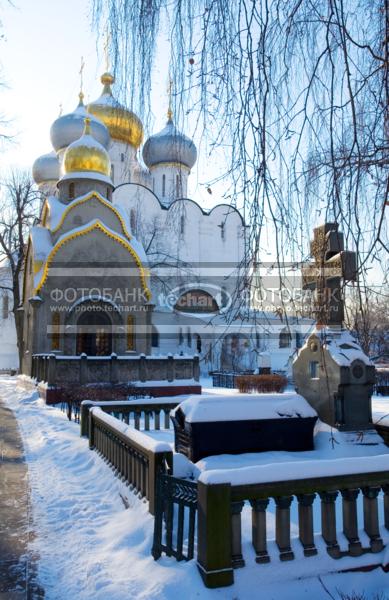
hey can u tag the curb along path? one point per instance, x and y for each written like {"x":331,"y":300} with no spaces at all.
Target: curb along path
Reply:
{"x":16,"y":568}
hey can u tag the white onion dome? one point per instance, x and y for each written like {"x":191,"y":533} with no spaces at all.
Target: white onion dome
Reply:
{"x":46,"y":168}
{"x":123,"y":124}
{"x":87,"y":155}
{"x":169,"y":146}
{"x":69,"y":128}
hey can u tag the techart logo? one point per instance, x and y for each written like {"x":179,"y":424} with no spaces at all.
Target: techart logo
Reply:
{"x":206,"y":299}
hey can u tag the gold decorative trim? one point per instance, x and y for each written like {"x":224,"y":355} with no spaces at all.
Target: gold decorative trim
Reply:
{"x":86,"y":198}
{"x":45,"y":212}
{"x":37,"y":266}
{"x":25,"y":266}
{"x":85,"y":231}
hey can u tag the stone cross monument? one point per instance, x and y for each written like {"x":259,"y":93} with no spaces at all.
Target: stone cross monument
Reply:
{"x":331,"y":370}
{"x":333,"y":266}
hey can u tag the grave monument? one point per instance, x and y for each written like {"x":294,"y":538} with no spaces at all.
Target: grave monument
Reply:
{"x":331,"y":370}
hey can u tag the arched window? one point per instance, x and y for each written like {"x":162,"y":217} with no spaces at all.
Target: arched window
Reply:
{"x":5,"y":306}
{"x":130,"y":332}
{"x":154,"y":338}
{"x":55,"y":332}
{"x":178,"y":185}
{"x":163,"y":185}
{"x":285,"y":338}
{"x":71,"y":191}
{"x":133,"y":220}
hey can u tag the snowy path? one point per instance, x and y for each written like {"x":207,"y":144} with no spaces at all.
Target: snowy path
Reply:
{"x":92,"y":547}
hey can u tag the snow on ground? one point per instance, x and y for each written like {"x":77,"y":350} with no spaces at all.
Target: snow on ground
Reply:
{"x":92,"y":547}
{"x":380,"y":405}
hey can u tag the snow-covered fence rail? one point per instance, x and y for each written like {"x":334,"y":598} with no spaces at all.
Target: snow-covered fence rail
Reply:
{"x":134,"y":456}
{"x":148,"y":412}
{"x":222,"y":495}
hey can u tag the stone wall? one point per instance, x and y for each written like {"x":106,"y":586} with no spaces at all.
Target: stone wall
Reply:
{"x":65,"y":370}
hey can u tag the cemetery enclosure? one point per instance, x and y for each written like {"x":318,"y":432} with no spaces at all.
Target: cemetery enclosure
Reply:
{"x":83,"y":369}
{"x":207,"y":516}
{"x":66,"y":375}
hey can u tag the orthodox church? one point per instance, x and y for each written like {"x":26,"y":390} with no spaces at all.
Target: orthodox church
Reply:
{"x":122,"y":260}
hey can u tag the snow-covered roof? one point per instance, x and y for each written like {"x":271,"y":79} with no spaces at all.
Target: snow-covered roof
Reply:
{"x":342,"y":347}
{"x":41,"y":242}
{"x":56,"y":210}
{"x":244,"y":407}
{"x":139,"y":253}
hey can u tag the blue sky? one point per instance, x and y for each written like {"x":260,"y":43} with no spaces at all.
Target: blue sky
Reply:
{"x":41,"y":54}
{"x":40,"y":58}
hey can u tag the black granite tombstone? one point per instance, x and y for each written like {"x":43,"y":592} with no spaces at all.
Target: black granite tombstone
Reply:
{"x":211,"y":424}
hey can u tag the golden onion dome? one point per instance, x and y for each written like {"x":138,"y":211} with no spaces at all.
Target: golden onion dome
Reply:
{"x":123,"y":124}
{"x":87,"y":154}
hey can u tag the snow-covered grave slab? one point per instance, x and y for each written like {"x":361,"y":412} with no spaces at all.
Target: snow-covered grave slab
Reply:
{"x":294,"y":471}
{"x":224,"y":424}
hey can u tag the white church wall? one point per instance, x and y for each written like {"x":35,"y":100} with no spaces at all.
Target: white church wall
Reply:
{"x":9,"y":358}
{"x":125,"y":166}
{"x":169,"y":181}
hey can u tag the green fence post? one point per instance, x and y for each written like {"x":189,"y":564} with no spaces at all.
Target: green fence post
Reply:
{"x":214,"y":540}
{"x":91,"y":431}
{"x":84,"y":417}
{"x":159,"y":462}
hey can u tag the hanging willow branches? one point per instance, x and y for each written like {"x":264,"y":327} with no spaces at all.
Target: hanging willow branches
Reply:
{"x":297,"y":94}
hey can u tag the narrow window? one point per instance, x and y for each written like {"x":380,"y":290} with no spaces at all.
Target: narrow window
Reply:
{"x":153,"y":184}
{"x":55,"y":333}
{"x":113,"y":173}
{"x":285,"y":339}
{"x":198,"y":344}
{"x":130,"y":332}
{"x":133,"y":220}
{"x":154,"y":338}
{"x":180,"y":337}
{"x":189,"y":337}
{"x":258,"y":339}
{"x":314,"y":369}
{"x":108,"y":194}
{"x":178,"y":185}
{"x":5,"y":306}
{"x":122,"y":157}
{"x":299,"y":340}
{"x":222,"y":231}
{"x":182,"y":225}
{"x":71,"y":191}
{"x":163,"y":185}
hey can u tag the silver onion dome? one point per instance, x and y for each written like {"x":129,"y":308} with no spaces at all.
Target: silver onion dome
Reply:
{"x":46,"y":168}
{"x":169,"y":146}
{"x":68,"y":128}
